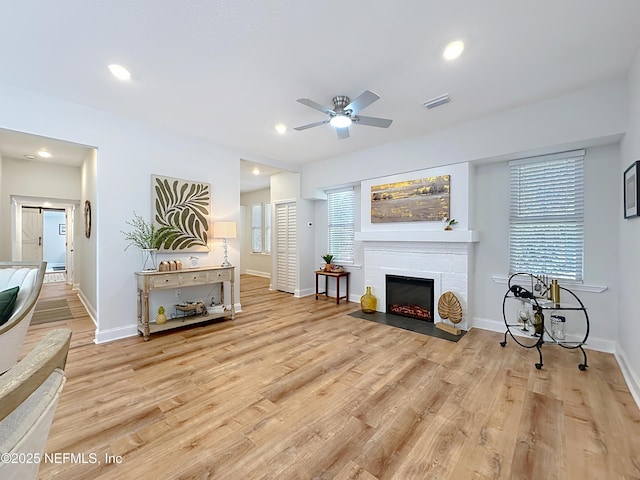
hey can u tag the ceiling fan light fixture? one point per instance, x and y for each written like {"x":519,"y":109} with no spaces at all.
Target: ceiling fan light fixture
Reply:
{"x":340,"y":120}
{"x":281,"y":128}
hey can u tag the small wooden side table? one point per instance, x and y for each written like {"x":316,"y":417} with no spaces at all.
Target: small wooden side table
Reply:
{"x":337,"y":276}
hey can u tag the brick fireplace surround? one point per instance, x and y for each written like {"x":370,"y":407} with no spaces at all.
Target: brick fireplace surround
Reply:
{"x":446,"y":257}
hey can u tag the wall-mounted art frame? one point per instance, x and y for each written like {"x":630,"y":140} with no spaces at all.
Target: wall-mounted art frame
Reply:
{"x":87,"y":218}
{"x":631,"y":190}
{"x":181,"y":211}
{"x":423,"y":199}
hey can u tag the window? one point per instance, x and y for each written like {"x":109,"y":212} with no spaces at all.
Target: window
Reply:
{"x":261,"y":228}
{"x":267,"y":228}
{"x":546,"y":232}
{"x":340,"y":206}
{"x":256,"y":228}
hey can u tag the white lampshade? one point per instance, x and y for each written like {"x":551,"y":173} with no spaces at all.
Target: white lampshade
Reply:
{"x":224,"y":230}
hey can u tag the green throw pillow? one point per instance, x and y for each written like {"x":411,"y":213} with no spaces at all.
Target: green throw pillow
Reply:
{"x":7,"y":300}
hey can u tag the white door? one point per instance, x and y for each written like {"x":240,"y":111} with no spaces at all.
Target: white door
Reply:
{"x":286,"y":247}
{"x":31,"y":234}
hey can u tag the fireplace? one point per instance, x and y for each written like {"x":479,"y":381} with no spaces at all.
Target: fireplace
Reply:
{"x":410,"y":296}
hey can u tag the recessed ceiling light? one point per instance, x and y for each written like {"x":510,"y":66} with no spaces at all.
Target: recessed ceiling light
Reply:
{"x":44,"y":154}
{"x":453,"y":50}
{"x":255,"y":171}
{"x":281,"y":128}
{"x":119,"y":72}
{"x":30,"y":157}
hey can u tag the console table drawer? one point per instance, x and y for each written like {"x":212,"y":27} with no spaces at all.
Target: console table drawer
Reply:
{"x":193,"y":278}
{"x":162,"y":281}
{"x":220,"y":276}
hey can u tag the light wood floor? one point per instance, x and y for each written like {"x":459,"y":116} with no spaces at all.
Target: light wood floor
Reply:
{"x":296,"y":389}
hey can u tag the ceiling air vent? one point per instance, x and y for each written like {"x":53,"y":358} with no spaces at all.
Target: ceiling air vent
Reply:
{"x":436,"y":102}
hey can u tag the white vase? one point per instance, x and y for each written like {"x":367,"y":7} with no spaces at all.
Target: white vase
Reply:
{"x":149,"y":259}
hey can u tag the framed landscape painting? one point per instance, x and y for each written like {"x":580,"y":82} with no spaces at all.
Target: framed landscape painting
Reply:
{"x":631,"y":189}
{"x":424,"y":199}
{"x":181,"y":212}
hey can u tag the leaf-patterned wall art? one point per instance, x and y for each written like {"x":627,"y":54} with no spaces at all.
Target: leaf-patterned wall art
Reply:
{"x":181,"y":211}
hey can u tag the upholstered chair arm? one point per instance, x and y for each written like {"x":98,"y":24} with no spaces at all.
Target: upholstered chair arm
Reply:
{"x":27,"y":375}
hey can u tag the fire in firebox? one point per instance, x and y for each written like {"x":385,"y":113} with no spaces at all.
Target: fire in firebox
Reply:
{"x":415,"y":311}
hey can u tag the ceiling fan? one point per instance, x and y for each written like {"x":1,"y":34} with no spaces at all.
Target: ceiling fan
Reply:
{"x":345,"y":112}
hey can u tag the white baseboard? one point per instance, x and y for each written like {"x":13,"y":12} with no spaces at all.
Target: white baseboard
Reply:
{"x":258,"y":273}
{"x":631,"y":377}
{"x":597,"y":344}
{"x":354,"y":298}
{"x":88,"y":307}
{"x":104,"y":336}
{"x":305,"y":292}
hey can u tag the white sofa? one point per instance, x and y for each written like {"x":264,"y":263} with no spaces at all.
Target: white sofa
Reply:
{"x":29,"y":277}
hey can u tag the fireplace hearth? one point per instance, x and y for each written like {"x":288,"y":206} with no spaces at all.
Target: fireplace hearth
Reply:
{"x":410,"y":297}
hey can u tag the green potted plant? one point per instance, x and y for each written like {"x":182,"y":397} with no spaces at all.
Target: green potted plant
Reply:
{"x":449,"y":223}
{"x":328,"y":258}
{"x":147,"y":238}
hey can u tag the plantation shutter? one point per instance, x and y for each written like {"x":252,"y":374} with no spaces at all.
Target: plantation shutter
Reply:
{"x":286,"y":247}
{"x":340,"y":206}
{"x":546,"y":234}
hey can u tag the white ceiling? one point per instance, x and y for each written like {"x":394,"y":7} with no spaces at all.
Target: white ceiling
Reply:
{"x":18,"y":144}
{"x":229,"y":70}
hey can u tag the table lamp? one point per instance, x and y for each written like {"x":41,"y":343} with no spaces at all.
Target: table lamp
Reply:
{"x":224,"y":230}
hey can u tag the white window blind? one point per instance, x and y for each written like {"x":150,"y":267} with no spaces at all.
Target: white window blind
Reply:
{"x":340,"y":206}
{"x":256,"y":228}
{"x":267,"y":228}
{"x":546,"y":234}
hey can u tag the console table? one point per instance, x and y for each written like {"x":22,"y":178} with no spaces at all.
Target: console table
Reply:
{"x":149,"y":281}
{"x":337,"y":276}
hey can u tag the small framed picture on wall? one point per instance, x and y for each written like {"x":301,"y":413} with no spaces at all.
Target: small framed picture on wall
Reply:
{"x":631,"y":188}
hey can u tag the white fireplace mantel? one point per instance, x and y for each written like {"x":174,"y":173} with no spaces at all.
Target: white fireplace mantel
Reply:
{"x":440,"y":236}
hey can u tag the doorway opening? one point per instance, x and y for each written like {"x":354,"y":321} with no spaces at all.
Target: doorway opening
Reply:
{"x":43,"y":231}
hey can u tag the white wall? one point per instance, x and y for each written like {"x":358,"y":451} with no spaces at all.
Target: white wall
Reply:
{"x":601,"y":235}
{"x":129,"y":152}
{"x":286,"y":186}
{"x":584,"y":119}
{"x":253,"y":263}
{"x":321,"y":241}
{"x":86,"y":278}
{"x":33,"y":179}
{"x":595,"y":116}
{"x":629,"y":238}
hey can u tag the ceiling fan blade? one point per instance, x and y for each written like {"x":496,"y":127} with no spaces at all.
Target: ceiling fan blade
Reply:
{"x":309,"y":125}
{"x":342,"y":133}
{"x":364,"y":100}
{"x":315,"y":105}
{"x":373,"y":121}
